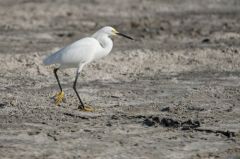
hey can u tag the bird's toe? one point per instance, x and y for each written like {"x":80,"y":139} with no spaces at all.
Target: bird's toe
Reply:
{"x":59,"y":97}
{"x":87,"y":108}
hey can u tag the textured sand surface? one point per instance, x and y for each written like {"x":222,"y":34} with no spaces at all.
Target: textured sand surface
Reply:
{"x":172,"y":93}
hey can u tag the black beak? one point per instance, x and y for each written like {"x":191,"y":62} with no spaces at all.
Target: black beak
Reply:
{"x":121,"y":34}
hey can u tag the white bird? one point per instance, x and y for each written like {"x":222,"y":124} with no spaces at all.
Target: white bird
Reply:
{"x":80,"y":53}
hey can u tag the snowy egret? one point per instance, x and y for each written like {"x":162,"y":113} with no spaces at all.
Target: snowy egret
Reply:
{"x":80,"y":53}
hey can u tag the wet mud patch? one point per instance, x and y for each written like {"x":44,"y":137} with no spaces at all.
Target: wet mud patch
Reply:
{"x":183,"y":125}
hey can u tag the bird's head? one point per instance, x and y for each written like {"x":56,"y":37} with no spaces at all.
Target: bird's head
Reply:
{"x":110,"y":31}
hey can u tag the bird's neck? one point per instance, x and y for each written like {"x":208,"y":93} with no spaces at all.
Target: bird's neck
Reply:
{"x":105,"y":42}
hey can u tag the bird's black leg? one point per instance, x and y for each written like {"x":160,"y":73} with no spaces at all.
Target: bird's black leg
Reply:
{"x":74,"y":88}
{"x":55,"y":73}
{"x":59,"y":96}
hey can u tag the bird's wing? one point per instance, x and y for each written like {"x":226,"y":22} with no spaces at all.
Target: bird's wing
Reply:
{"x":78,"y":52}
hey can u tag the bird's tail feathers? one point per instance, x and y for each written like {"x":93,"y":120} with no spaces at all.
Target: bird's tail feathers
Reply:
{"x":47,"y":61}
{"x":50,"y":59}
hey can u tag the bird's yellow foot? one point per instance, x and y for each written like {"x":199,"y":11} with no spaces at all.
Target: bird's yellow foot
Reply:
{"x":87,"y":108}
{"x":59,"y":97}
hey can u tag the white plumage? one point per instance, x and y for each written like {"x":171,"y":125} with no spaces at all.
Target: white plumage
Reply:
{"x":80,"y":53}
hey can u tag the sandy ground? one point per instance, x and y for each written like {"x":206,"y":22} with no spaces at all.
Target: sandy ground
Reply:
{"x":172,"y":93}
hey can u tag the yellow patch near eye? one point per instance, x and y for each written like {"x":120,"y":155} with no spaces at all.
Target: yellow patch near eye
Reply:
{"x":114,"y":31}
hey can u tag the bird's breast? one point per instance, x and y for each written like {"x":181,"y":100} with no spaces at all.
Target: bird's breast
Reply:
{"x":101,"y":53}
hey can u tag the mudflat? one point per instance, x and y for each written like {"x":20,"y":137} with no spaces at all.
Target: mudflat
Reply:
{"x":174,"y":92}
